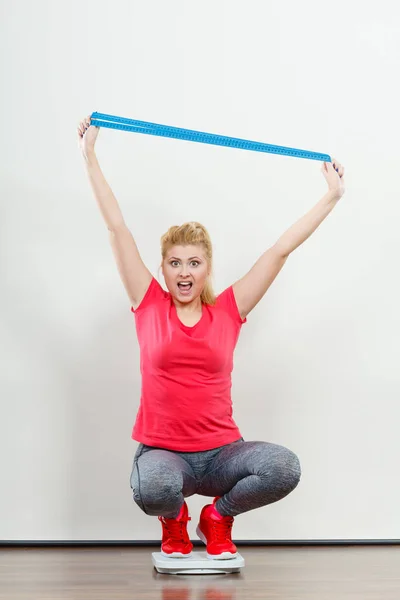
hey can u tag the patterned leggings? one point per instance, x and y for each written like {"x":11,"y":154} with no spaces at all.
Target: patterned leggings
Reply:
{"x":246,"y":475}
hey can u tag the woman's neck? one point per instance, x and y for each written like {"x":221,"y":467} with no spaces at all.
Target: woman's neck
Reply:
{"x":195,"y":306}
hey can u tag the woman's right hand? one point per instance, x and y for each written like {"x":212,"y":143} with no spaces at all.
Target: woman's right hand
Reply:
{"x":87,"y":135}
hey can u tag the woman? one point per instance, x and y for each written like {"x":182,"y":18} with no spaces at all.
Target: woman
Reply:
{"x":188,"y":441}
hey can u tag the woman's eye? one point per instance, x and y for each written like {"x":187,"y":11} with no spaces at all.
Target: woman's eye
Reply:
{"x":193,"y":263}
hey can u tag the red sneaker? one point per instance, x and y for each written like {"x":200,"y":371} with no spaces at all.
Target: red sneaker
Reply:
{"x":175,"y":539}
{"x":215,"y":531}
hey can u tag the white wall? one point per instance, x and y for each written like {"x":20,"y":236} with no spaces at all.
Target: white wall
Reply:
{"x":316,"y":367}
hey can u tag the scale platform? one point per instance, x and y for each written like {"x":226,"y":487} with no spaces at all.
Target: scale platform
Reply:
{"x":196,"y":564}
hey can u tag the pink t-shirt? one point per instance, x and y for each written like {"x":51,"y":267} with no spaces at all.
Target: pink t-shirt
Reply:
{"x":185,"y":402}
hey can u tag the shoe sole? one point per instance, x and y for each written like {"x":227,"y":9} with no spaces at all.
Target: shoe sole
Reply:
{"x":222,"y":556}
{"x":176,"y":554}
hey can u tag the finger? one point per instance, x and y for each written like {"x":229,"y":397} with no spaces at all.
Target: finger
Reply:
{"x":336,"y":165}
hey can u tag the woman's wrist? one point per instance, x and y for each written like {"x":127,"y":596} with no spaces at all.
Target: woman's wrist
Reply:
{"x":333,"y":195}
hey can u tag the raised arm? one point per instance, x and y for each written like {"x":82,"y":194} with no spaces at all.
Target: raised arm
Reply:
{"x":134,"y":273}
{"x":251,"y":288}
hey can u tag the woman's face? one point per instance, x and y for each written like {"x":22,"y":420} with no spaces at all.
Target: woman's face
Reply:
{"x":185,"y":265}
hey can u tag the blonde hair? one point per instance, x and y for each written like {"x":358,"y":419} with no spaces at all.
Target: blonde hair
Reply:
{"x":189,"y":234}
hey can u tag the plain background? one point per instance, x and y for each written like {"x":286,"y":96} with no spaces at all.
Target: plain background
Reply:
{"x":317,"y":364}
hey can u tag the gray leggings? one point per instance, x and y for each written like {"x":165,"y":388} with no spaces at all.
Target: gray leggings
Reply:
{"x":247,"y":475}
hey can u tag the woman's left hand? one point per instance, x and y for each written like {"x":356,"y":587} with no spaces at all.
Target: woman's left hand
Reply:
{"x":334,"y":175}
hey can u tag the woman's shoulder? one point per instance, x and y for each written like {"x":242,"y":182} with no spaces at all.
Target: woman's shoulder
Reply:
{"x":155,"y":294}
{"x":226,"y":301}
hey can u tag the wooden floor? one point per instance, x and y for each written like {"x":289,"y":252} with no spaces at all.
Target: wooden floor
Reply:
{"x":290,"y":573}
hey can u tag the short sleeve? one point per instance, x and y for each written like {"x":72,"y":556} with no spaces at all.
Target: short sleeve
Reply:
{"x":227,"y":301}
{"x":154,"y":295}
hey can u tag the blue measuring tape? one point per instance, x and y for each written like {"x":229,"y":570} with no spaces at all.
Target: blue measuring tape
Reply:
{"x":112,"y":122}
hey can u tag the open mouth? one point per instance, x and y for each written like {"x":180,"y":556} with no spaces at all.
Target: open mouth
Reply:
{"x":185,"y":287}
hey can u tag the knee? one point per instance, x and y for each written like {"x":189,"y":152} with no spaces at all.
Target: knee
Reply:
{"x":282,"y":471}
{"x":292,"y":469}
{"x":156,"y":496}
